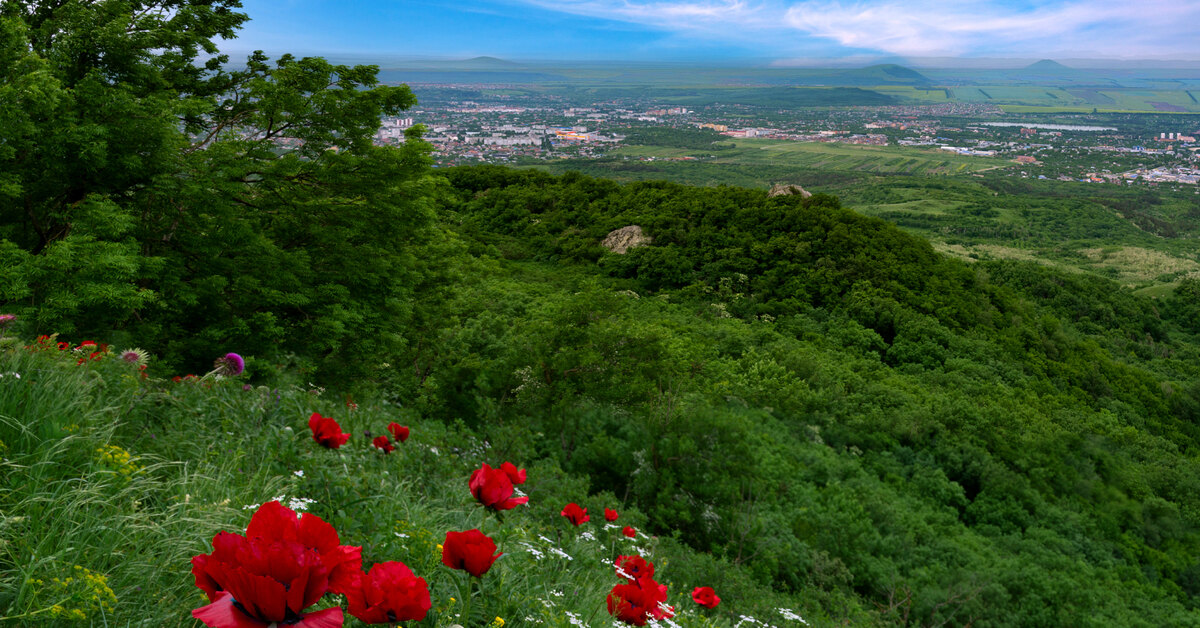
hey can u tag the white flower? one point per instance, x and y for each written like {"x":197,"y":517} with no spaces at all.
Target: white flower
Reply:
{"x":299,"y":473}
{"x":789,"y":614}
{"x":300,"y":503}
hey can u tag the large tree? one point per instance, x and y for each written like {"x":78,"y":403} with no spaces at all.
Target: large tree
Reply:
{"x":148,"y":188}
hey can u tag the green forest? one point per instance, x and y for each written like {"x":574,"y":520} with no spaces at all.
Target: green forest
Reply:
{"x":805,"y":407}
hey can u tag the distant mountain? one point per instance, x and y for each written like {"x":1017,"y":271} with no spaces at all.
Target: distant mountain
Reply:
{"x":884,"y":74}
{"x":486,"y":63}
{"x":1047,"y":65}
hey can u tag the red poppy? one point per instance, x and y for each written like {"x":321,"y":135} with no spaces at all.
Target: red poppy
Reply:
{"x":383,"y":443}
{"x":326,"y":431}
{"x":399,"y":432}
{"x":575,"y":514}
{"x":387,"y":594}
{"x":610,"y":514}
{"x":706,"y":597}
{"x":494,"y":489}
{"x":515,"y":475}
{"x":633,"y":567}
{"x":470,"y":551}
{"x":629,"y":532}
{"x":282,"y":566}
{"x":274,"y":521}
{"x":637,"y":601}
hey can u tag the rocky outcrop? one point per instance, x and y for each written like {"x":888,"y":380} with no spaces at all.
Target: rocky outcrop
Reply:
{"x":784,"y":189}
{"x":621,"y":240}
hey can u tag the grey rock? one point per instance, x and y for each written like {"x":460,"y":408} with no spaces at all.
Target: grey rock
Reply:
{"x":784,"y":189}
{"x":621,"y":240}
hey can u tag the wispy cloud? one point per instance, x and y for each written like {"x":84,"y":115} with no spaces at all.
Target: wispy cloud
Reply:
{"x":1108,"y":28}
{"x":955,"y":27}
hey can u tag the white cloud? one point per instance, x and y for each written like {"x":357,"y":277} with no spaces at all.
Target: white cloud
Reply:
{"x":955,"y":27}
{"x":1107,"y":28}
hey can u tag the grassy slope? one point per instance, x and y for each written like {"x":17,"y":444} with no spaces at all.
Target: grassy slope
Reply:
{"x":128,"y":479}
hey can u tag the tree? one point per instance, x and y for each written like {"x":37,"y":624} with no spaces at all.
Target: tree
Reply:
{"x":149,"y":189}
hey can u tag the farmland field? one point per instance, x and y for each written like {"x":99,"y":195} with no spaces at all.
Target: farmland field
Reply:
{"x":841,"y":157}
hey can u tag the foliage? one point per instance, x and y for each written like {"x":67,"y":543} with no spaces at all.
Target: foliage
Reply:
{"x":146,"y":191}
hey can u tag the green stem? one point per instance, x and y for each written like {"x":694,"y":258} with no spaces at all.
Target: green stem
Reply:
{"x":467,"y":600}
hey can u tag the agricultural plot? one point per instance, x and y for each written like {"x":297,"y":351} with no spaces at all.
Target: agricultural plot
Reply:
{"x":1042,"y":98}
{"x":821,"y":156}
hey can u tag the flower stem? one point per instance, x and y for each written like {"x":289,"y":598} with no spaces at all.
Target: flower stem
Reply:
{"x":467,"y":600}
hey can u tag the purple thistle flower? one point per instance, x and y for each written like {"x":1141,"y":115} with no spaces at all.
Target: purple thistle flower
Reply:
{"x":230,"y":364}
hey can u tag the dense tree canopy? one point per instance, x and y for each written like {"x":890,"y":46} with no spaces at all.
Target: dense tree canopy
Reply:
{"x":149,"y":187}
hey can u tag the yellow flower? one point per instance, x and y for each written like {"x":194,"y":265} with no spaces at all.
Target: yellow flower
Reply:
{"x":499,"y":622}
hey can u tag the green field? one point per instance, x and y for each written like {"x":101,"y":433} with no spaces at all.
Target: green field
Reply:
{"x":822,"y":156}
{"x":1043,"y":98}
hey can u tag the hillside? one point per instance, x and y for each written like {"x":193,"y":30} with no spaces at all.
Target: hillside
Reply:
{"x":808,"y":409}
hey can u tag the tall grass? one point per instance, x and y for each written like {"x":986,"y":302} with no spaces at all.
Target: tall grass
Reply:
{"x":110,"y":484}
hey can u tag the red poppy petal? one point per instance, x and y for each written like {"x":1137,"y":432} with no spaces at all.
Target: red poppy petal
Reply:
{"x":328,"y":618}
{"x":317,"y":533}
{"x":273,"y":521}
{"x":204,"y":580}
{"x":223,"y":614}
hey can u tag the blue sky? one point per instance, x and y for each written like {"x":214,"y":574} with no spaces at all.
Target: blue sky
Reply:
{"x":783,"y":31}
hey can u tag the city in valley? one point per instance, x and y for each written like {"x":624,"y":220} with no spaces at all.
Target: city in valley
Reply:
{"x":509,"y":124}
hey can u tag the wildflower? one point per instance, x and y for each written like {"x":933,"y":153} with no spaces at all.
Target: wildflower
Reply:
{"x":610,"y":514}
{"x":135,"y":356}
{"x":282,"y":565}
{"x":706,"y":597}
{"x":633,"y":567}
{"x":326,"y":431}
{"x":575,"y":514}
{"x":471,"y":551}
{"x":629,"y":532}
{"x":636,"y":601}
{"x":399,"y":432}
{"x":350,"y":403}
{"x":498,"y":622}
{"x":791,"y":615}
{"x":382,"y":442}
{"x":493,"y":488}
{"x":229,"y":365}
{"x":515,"y":475}
{"x":389,"y":593}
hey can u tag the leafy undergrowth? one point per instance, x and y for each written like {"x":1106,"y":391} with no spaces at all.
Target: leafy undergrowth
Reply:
{"x":111,"y":481}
